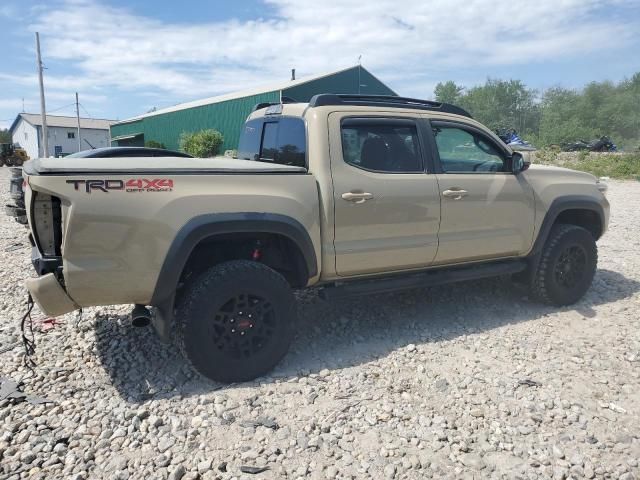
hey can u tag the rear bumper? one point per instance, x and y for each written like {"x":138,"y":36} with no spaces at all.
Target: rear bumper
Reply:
{"x":50,"y":296}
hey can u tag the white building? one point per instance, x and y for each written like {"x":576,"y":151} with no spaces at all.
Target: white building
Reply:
{"x":62,"y":133}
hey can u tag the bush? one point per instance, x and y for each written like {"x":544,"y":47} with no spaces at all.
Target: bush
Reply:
{"x":205,"y":143}
{"x":154,"y":144}
{"x":614,"y":165}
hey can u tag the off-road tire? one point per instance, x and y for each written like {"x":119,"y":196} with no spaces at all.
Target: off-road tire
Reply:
{"x":203,"y":313}
{"x":547,"y":281}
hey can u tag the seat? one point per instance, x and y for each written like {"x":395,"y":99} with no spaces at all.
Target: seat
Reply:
{"x":374,"y":154}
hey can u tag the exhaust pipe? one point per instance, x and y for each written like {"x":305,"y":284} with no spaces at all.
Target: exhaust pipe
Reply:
{"x":140,"y":316}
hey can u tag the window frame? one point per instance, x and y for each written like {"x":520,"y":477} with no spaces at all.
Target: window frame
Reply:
{"x":417,"y":123}
{"x":472,"y":129}
{"x":276,"y":119}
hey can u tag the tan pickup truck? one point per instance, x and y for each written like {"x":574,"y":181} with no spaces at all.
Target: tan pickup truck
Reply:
{"x":350,"y":194}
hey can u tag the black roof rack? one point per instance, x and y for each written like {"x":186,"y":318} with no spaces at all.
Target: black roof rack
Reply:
{"x":385,"y":101}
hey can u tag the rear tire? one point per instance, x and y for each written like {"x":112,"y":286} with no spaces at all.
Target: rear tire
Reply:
{"x":567,"y":265}
{"x":236,"y":321}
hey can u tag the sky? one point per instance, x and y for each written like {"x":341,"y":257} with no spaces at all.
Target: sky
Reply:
{"x":125,"y":57}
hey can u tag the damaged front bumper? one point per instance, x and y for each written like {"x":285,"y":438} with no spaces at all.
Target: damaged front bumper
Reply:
{"x":50,"y":296}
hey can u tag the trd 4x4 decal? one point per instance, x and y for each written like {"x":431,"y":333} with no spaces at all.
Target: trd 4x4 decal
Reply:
{"x":131,"y":185}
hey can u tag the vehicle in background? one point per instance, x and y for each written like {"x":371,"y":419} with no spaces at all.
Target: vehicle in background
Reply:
{"x":513,"y":140}
{"x":12,"y":155}
{"x":603,"y":144}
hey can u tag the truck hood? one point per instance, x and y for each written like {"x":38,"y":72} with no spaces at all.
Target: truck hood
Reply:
{"x":538,"y":170}
{"x":117,"y":165}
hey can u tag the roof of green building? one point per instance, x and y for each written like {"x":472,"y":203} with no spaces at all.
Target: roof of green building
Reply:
{"x":289,"y":86}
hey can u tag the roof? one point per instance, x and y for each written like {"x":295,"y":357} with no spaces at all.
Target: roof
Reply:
{"x":35,"y":119}
{"x":237,"y":95}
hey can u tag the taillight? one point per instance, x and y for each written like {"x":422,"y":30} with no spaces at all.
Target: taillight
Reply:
{"x":46,"y":219}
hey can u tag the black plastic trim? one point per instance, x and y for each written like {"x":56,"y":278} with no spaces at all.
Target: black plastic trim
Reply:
{"x":435,"y":276}
{"x":44,"y":265}
{"x":386,"y":101}
{"x":559,"y":205}
{"x":206,"y":226}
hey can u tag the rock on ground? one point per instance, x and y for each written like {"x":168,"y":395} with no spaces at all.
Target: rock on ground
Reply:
{"x":465,"y":381}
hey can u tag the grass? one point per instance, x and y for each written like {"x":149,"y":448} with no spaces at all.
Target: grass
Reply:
{"x":622,"y":166}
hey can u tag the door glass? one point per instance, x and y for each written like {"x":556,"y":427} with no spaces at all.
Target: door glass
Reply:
{"x":462,"y":151}
{"x":382,"y":148}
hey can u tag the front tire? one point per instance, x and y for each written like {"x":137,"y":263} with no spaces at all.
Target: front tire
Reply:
{"x":566,"y":267}
{"x":236,"y":321}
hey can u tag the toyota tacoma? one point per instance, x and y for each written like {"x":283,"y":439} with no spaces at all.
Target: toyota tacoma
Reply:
{"x":348,"y":194}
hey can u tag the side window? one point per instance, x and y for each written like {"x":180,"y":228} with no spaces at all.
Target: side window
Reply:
{"x":391,"y":147}
{"x":277,"y":140}
{"x":250,"y":138}
{"x":465,"y":151}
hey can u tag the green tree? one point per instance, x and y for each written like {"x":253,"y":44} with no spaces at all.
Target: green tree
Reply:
{"x":5,"y":135}
{"x":448,"y":92}
{"x":205,"y":143}
{"x":154,"y":144}
{"x":504,"y":103}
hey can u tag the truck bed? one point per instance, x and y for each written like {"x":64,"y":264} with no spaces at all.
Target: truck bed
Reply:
{"x":123,"y":165}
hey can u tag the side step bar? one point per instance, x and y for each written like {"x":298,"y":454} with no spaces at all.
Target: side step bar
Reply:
{"x":423,"y":279}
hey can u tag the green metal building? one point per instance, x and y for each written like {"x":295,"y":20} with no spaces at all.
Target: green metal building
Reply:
{"x":227,"y":113}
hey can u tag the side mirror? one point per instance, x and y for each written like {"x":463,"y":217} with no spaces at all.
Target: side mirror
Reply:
{"x":518,"y":163}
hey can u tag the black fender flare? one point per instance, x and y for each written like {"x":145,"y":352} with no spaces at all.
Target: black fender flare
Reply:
{"x":205,"y":226}
{"x":559,"y":205}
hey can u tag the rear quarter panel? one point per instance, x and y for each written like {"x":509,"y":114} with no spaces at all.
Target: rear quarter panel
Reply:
{"x":115,"y":242}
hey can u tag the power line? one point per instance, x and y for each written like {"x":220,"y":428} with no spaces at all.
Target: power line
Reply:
{"x":60,"y":108}
{"x":85,"y":110}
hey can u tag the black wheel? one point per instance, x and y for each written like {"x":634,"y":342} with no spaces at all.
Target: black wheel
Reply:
{"x":566,"y":267}
{"x":236,"y":321}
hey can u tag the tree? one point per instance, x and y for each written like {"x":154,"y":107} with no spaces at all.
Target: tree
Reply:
{"x":559,"y":114}
{"x":448,"y":92}
{"x":154,"y":144}
{"x":205,"y":143}
{"x":5,"y":135}
{"x":502,"y":103}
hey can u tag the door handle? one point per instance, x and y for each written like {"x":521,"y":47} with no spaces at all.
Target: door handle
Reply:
{"x":455,"y":193}
{"x":357,"y":197}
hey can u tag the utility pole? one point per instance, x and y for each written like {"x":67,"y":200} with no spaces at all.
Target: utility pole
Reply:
{"x":43,"y":108}
{"x":78,"y":117}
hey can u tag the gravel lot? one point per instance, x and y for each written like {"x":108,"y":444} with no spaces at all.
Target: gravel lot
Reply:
{"x":470,"y":381}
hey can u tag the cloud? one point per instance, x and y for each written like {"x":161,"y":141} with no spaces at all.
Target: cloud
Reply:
{"x":407,"y":42}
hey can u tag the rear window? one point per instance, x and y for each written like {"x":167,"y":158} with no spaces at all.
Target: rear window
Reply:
{"x":280,"y":140}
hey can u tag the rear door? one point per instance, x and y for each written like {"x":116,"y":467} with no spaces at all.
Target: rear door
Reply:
{"x":487,"y":211}
{"x":387,"y":207}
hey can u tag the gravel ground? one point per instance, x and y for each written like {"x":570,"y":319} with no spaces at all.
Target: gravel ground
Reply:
{"x":469,"y":381}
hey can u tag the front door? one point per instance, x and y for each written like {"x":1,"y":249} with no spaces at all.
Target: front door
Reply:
{"x":387,"y":207}
{"x":487,"y":211}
